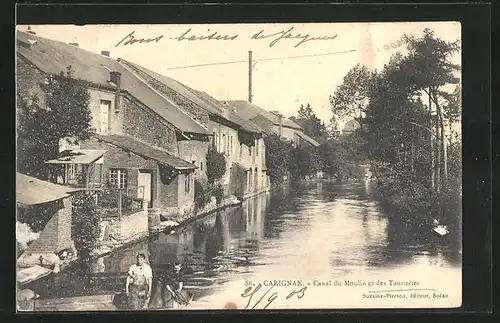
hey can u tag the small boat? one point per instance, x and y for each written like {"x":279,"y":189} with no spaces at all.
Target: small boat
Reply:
{"x":441,"y":230}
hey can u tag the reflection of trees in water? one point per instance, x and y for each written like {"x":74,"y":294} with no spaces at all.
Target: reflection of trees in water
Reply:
{"x":403,"y":244}
{"x":215,"y":239}
{"x":282,"y":200}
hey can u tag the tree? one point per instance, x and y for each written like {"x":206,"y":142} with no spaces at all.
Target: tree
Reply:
{"x":66,"y":114}
{"x":278,"y":157}
{"x":429,"y":68}
{"x":216,"y":165}
{"x":340,"y":157}
{"x":396,"y":129}
{"x":305,"y":161}
{"x":312,"y":125}
{"x":350,"y":98}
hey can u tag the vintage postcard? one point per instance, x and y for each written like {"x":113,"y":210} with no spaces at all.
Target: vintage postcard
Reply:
{"x":239,"y":166}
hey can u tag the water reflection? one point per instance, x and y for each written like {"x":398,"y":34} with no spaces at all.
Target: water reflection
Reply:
{"x":299,"y":229}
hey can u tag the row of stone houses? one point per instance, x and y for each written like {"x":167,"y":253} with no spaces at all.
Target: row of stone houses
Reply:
{"x":272,"y":122}
{"x":151,"y":133}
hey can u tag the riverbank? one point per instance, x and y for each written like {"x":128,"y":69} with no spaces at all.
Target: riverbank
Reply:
{"x":169,"y":227}
{"x":26,"y":275}
{"x":263,"y":235}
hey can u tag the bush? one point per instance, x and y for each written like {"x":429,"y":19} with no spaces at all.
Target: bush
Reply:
{"x":85,"y":224}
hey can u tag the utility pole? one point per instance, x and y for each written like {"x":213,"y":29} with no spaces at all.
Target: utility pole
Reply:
{"x":250,"y":65}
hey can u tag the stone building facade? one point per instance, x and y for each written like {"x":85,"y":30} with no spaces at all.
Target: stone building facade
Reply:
{"x":133,"y":116}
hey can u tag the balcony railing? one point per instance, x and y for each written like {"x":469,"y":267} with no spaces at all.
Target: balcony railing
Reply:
{"x":117,"y":202}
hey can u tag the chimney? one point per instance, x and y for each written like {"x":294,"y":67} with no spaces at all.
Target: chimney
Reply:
{"x":115,"y":77}
{"x":74,"y":44}
{"x":105,"y":53}
{"x":30,"y":31}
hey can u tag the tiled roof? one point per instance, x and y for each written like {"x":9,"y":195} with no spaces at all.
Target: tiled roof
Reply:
{"x":202,"y":99}
{"x":181,"y":89}
{"x":249,"y":111}
{"x":233,"y":116}
{"x":308,"y":139}
{"x":78,"y":156}
{"x":146,"y":151}
{"x":31,"y":190}
{"x":53,"y":57}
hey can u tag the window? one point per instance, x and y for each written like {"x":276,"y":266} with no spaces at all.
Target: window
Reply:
{"x":104,"y":117}
{"x":118,"y":178}
{"x":194,"y":163}
{"x":249,"y":150}
{"x":257,"y":147}
{"x":71,"y":171}
{"x":201,"y":165}
{"x":241,"y":150}
{"x":187,"y":182}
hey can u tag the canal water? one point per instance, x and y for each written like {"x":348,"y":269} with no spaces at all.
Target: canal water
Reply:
{"x":312,"y":245}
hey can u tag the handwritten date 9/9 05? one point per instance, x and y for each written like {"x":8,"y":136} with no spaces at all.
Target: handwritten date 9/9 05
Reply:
{"x":250,"y":292}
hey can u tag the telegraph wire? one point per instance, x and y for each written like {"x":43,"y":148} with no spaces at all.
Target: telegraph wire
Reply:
{"x":260,"y":60}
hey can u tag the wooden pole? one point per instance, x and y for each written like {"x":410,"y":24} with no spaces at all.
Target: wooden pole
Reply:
{"x":250,"y":76}
{"x":120,"y":203}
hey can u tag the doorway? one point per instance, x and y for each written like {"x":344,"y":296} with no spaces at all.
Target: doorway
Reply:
{"x":145,"y":188}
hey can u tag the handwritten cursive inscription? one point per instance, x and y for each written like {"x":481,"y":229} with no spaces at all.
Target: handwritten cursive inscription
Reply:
{"x":287,"y":34}
{"x":189,"y":35}
{"x":132,"y":40}
{"x":251,"y":291}
{"x":213,"y":36}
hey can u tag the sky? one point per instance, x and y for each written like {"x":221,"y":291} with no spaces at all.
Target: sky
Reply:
{"x":279,"y":82}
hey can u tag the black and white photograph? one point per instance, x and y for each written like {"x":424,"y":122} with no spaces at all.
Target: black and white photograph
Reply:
{"x":245,"y":166}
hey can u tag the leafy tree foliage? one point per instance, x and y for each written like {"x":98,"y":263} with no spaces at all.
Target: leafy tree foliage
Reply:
{"x":216,"y":165}
{"x":201,"y":194}
{"x":65,"y":114}
{"x":305,"y":161}
{"x":85,"y":223}
{"x":312,"y":125}
{"x":278,"y":157}
{"x":403,"y":146}
{"x":340,"y":158}
{"x":351,"y":97}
